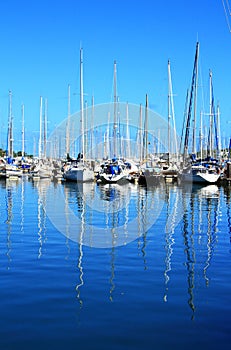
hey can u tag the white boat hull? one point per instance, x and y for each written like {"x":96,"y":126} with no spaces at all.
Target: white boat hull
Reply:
{"x":79,"y":175}
{"x":13,"y":173}
{"x":113,"y":179}
{"x":203,"y":178}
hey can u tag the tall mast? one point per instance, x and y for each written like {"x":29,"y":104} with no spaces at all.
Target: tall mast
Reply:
{"x":169,"y":110}
{"x":86,"y":127}
{"x":192,"y":95}
{"x":81,"y":103}
{"x":108,"y":136}
{"x":140,"y":136}
{"x":171,"y":114}
{"x":211,"y":114}
{"x":127,"y":134}
{"x":195,"y":104}
{"x":201,"y":136}
{"x":10,"y":128}
{"x":68,"y":121}
{"x":115,"y":111}
{"x":218,"y":131}
{"x":146,"y":130}
{"x":23,"y":132}
{"x":45,"y":130}
{"x":40,"y":128}
{"x":92,"y":124}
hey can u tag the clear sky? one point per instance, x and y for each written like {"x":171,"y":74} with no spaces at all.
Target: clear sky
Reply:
{"x":39,"y":55}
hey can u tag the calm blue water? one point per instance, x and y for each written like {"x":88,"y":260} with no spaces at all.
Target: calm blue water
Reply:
{"x":139,"y":268}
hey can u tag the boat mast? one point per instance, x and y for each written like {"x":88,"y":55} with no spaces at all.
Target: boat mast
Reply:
{"x":211,"y":113}
{"x":192,"y":95}
{"x":115,"y":112}
{"x":169,"y":108}
{"x":146,"y":130}
{"x":92,"y":125}
{"x":171,"y":114}
{"x":85,"y":127}
{"x":10,"y":128}
{"x":40,"y":128}
{"x":81,"y":103}
{"x":45,"y":131}
{"x":140,"y":136}
{"x":108,"y":136}
{"x":68,"y":121}
{"x":23,"y":132}
{"x":195,"y":104}
{"x":127,"y":134}
{"x":201,"y":136}
{"x":218,"y":132}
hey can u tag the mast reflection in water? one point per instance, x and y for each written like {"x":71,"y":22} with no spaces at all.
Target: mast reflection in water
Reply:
{"x":137,"y":267}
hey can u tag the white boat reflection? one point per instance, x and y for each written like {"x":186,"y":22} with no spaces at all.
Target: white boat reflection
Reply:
{"x":42,"y":187}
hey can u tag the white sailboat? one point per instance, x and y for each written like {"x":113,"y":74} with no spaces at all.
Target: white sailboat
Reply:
{"x":170,"y":168}
{"x":150,"y":170}
{"x":80,"y":171}
{"x":206,"y":170}
{"x":41,"y":168}
{"x":200,"y":173}
{"x":12,"y":170}
{"x":114,"y":171}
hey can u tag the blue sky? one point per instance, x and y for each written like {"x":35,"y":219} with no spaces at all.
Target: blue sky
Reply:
{"x":40,"y":43}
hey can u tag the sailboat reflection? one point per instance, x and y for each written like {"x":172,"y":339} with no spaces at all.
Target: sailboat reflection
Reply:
{"x":42,"y":187}
{"x":148,"y":205}
{"x":78,"y":194}
{"x":9,"y":216}
{"x":12,"y":188}
{"x":211,"y":195}
{"x":173,"y":206}
{"x":200,"y":235}
{"x":227,"y":193}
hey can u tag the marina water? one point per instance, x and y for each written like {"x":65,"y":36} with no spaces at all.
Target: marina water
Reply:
{"x":114,"y":267}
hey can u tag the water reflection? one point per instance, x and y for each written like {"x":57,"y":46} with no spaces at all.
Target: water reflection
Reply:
{"x":194,"y":214}
{"x":172,"y":200}
{"x":42,"y":186}
{"x":227,"y":193}
{"x":9,"y":216}
{"x":112,"y":277}
{"x":200,"y":226}
{"x":196,"y":209}
{"x":211,"y":195}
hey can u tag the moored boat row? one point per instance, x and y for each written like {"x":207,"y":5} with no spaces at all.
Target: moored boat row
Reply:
{"x":120,"y":171}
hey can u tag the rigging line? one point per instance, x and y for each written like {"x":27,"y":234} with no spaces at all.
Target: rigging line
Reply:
{"x":228,"y":7}
{"x":226,"y":14}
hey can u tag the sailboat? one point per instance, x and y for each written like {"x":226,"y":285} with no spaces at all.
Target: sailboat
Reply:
{"x":11,"y":169}
{"x":80,"y":171}
{"x":41,"y":168}
{"x":206,"y":170}
{"x":114,"y":170}
{"x":170,"y":169}
{"x":150,"y":169}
